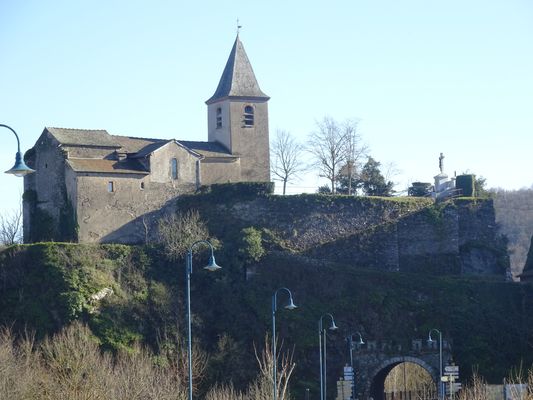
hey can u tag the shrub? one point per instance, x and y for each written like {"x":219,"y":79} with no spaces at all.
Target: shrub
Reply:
{"x":251,"y":247}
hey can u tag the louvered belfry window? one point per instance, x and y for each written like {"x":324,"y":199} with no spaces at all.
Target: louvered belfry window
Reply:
{"x":248,"y":116}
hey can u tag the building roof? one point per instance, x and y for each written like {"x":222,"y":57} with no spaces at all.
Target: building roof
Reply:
{"x":238,"y":78}
{"x":83,"y":137}
{"x":130,"y":144}
{"x":133,"y":146}
{"x":207,"y":149}
{"x":126,"y":166}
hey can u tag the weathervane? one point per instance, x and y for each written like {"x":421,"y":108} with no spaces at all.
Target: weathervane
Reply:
{"x":238,"y":27}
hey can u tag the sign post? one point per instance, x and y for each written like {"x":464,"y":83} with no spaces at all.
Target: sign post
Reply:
{"x":451,"y":374}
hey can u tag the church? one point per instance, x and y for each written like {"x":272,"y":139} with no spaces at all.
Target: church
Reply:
{"x":92,"y":186}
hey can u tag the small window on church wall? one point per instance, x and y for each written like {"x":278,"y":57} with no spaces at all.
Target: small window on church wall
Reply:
{"x":174,"y":168}
{"x":142,"y":185}
{"x":219,"y":117}
{"x":110,"y":187}
{"x":248,"y":116}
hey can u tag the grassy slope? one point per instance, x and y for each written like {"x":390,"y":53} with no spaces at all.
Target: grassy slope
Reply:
{"x":45,"y":286}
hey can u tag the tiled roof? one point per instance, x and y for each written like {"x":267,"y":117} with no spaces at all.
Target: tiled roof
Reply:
{"x":238,"y":78}
{"x":207,"y":149}
{"x":127,"y":166}
{"x":135,"y":145}
{"x":83,"y":137}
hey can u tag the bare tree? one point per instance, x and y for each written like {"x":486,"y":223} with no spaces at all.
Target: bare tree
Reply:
{"x":287,"y":160}
{"x":262,"y":387}
{"x":354,"y":151}
{"x":176,"y":232}
{"x":10,"y":227}
{"x":327,"y":144}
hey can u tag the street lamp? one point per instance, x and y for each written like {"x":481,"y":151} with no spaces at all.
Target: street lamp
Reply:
{"x":360,"y":342}
{"x":430,"y":340}
{"x":322,"y":348}
{"x":20,"y":168}
{"x":211,"y":266}
{"x":290,"y":306}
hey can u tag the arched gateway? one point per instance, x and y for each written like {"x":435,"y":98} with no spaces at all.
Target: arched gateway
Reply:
{"x":376,"y":383}
{"x":374,"y":361}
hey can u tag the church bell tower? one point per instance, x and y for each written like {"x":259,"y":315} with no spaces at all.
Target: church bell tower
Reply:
{"x":237,"y":116}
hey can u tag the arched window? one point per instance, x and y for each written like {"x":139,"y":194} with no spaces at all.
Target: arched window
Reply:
{"x":219,"y":117}
{"x":174,"y":168}
{"x":248,"y":116}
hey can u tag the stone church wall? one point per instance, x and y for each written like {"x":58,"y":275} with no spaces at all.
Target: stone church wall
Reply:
{"x":44,"y":198}
{"x":126,"y":215}
{"x":220,"y":172}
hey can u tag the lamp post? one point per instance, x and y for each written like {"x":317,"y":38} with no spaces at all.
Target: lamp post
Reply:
{"x":430,"y":340}
{"x":20,"y":168}
{"x":360,"y":342}
{"x":290,"y":306}
{"x":211,"y":266}
{"x":322,"y":348}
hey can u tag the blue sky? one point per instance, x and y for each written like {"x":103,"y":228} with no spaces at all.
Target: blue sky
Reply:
{"x":421,"y":76}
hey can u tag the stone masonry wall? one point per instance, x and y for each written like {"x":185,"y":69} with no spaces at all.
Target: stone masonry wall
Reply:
{"x":411,"y":235}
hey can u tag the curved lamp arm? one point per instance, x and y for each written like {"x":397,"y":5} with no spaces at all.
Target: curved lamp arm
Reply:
{"x":290,"y":306}
{"x":20,"y":168}
{"x":361,"y":341}
{"x":332,"y":327}
{"x":431,"y":331}
{"x":211,"y":265}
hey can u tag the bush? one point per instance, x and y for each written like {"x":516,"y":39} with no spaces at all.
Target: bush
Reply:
{"x":419,"y":189}
{"x":251,"y":247}
{"x":239,"y":190}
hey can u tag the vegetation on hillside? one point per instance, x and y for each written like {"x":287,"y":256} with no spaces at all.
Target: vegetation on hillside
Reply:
{"x":48,"y":286}
{"x":514,"y":214}
{"x":70,"y":365}
{"x":131,"y":296}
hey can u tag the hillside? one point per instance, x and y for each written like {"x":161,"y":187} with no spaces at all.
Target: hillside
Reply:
{"x":389,"y":268}
{"x":514,"y":214}
{"x":46,"y":286}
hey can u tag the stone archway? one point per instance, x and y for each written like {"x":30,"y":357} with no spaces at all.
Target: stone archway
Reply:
{"x":376,"y":382}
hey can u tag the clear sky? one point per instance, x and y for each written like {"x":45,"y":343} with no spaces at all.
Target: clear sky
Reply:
{"x":422,"y":76}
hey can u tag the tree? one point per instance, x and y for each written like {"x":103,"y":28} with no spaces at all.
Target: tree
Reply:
{"x":334,"y":145}
{"x":354,"y":151}
{"x":372,"y":180}
{"x":10,"y":228}
{"x":286,"y":158}
{"x":481,"y":187}
{"x":177,"y":232}
{"x":419,"y":189}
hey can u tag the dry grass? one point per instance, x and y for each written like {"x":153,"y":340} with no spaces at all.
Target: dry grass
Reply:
{"x":262,"y":388}
{"x":71,"y":366}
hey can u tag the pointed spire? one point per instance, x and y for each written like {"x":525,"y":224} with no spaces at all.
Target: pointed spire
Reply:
{"x":238,"y":78}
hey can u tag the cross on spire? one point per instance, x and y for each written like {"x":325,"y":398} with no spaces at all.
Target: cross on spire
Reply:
{"x":238,"y":27}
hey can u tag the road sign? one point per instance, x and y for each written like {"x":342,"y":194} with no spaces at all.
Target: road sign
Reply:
{"x":455,"y":387}
{"x":452,"y":370}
